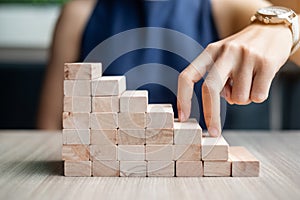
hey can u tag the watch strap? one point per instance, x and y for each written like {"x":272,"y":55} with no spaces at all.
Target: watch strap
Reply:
{"x":296,"y":34}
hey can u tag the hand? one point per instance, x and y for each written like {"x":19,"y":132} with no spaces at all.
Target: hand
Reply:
{"x":240,"y":68}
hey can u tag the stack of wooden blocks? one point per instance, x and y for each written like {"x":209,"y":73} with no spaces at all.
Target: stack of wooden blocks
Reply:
{"x":111,"y":131}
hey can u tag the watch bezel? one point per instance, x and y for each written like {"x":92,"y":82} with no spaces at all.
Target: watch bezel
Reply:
{"x":288,"y":12}
{"x":275,"y":18}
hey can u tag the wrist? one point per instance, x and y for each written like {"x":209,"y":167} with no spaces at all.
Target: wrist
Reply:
{"x":281,"y":30}
{"x":275,"y":15}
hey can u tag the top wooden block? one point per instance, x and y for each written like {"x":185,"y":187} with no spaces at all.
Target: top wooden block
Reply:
{"x":82,"y":71}
{"x":160,"y":116}
{"x":188,"y":132}
{"x":134,"y":101}
{"x":240,"y":154}
{"x":160,"y":108}
{"x":214,"y":149}
{"x":108,"y":86}
{"x":244,"y":164}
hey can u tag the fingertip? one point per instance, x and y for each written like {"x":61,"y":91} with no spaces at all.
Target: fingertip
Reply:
{"x":214,"y":132}
{"x":182,"y":116}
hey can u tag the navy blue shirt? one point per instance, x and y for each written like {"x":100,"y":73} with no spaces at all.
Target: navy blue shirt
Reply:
{"x":150,"y":42}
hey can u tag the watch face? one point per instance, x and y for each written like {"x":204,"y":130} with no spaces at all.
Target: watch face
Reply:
{"x":274,"y":11}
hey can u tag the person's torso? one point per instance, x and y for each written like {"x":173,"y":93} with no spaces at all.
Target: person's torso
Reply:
{"x":150,"y":41}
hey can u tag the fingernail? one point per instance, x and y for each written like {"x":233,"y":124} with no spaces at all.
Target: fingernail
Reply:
{"x":182,"y":116}
{"x":213,"y":132}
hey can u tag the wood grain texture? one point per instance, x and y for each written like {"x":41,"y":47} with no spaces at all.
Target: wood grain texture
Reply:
{"x":78,"y":168}
{"x":131,"y":137}
{"x":214,"y":148}
{"x":189,"y":169}
{"x":108,"y":86}
{"x":104,"y":137}
{"x":106,"y":168}
{"x":31,"y":169}
{"x":76,"y":120}
{"x":160,"y":116}
{"x":159,"y":152}
{"x":217,"y":168}
{"x":131,"y":152}
{"x":77,"y":88}
{"x":243,"y":162}
{"x":159,"y":136}
{"x":103,"y":152}
{"x":133,"y":168}
{"x":73,"y":136}
{"x":188,"y":132}
{"x":104,"y":121}
{"x":77,"y":104}
{"x":82,"y":71}
{"x":106,"y":104}
{"x":132,"y":121}
{"x":75,"y":152}
{"x":134,"y":101}
{"x":160,"y":168}
{"x":190,"y":152}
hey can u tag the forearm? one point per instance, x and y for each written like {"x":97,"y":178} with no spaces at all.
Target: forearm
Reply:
{"x":65,"y":48}
{"x":231,"y":16}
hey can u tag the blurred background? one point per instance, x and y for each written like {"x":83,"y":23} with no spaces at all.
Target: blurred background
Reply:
{"x":26,"y":28}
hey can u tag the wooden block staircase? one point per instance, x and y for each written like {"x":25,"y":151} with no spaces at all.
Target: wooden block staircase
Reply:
{"x":109,"y":131}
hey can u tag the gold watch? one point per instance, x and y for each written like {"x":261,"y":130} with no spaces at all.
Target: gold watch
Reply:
{"x":280,"y":15}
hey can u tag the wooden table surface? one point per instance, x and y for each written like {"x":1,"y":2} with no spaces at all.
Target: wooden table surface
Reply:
{"x":31,"y":168}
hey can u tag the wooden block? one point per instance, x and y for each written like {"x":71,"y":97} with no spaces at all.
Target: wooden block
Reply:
{"x":159,"y":136}
{"x":188,"y":132}
{"x":131,"y":152}
{"x":159,"y":152}
{"x":160,"y":116}
{"x":76,"y":120}
{"x":217,"y":168}
{"x":78,"y":168}
{"x":82,"y":71}
{"x":77,"y":88}
{"x":106,"y":104}
{"x":104,"y":137}
{"x":108,"y":168}
{"x":133,"y":168}
{"x":190,"y":152}
{"x":108,"y":86}
{"x":103,"y":152}
{"x":77,"y":104}
{"x":160,"y":168}
{"x":244,"y":164}
{"x":104,"y":121}
{"x":75,"y":152}
{"x":189,"y":169}
{"x":131,"y":137}
{"x":132,"y":121}
{"x":214,"y":148}
{"x":76,"y":136}
{"x":134,"y":101}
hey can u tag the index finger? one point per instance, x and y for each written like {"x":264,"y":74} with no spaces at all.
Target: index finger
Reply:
{"x":186,"y":80}
{"x":211,"y":89}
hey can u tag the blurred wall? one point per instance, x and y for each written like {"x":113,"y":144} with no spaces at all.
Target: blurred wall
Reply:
{"x":25,"y":35}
